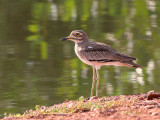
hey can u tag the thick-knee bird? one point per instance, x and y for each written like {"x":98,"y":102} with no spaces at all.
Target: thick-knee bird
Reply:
{"x":97,"y":54}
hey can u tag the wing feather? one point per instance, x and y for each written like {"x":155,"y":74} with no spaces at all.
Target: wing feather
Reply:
{"x":103,"y":52}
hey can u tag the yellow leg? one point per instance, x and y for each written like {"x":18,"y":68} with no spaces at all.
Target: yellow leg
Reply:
{"x":98,"y":77}
{"x":93,"y":83}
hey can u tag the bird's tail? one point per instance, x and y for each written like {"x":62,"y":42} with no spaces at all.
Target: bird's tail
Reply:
{"x":132,"y":64}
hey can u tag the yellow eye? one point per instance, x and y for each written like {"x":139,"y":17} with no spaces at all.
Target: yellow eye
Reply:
{"x":77,"y":34}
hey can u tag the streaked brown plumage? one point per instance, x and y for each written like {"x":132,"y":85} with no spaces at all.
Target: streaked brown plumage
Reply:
{"x":98,"y":54}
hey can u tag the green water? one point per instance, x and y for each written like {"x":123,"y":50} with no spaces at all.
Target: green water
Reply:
{"x":36,"y":68}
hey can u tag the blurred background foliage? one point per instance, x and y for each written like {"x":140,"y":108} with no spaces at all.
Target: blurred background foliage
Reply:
{"x":37,"y":68}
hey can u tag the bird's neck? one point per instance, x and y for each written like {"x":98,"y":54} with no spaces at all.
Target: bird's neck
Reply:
{"x":81,"y":43}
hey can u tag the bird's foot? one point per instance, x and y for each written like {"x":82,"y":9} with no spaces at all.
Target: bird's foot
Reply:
{"x":93,"y":97}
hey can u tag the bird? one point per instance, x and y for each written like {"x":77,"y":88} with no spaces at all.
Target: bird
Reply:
{"x":97,"y":54}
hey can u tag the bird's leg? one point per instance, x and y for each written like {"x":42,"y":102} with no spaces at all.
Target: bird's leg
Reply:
{"x":98,"y":77}
{"x":93,"y":83}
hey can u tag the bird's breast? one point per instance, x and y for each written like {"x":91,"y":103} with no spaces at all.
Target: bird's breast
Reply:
{"x":78,"y":51}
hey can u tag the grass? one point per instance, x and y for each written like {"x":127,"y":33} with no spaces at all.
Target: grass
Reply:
{"x":76,"y":106}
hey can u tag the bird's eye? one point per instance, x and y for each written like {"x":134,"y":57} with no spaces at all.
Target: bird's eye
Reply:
{"x":77,"y":34}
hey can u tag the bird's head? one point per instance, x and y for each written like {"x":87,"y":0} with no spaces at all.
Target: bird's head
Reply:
{"x":77,"y":36}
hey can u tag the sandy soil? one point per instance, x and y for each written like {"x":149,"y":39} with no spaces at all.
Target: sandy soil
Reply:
{"x":124,"y":107}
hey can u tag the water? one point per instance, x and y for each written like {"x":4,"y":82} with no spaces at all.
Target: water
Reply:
{"x":38,"y":69}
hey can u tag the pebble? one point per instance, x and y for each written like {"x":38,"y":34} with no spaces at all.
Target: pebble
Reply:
{"x":155,"y":113}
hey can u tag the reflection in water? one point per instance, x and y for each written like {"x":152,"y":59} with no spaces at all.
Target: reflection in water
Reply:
{"x":94,"y":9}
{"x":154,"y":20}
{"x":54,"y":12}
{"x":36,"y":68}
{"x":84,"y":73}
{"x":151,"y":5}
{"x":109,"y":88}
{"x":139,"y":77}
{"x":149,"y":70}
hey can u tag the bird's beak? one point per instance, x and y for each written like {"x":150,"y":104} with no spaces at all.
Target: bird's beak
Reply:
{"x":66,"y":38}
{"x":63,"y":39}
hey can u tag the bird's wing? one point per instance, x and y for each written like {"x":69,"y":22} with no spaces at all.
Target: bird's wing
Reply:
{"x":103,"y":53}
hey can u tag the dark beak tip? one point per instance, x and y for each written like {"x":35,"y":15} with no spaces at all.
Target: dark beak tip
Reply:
{"x":63,"y":39}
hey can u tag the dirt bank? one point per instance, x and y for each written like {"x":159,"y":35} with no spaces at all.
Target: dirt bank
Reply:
{"x":130,"y":107}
